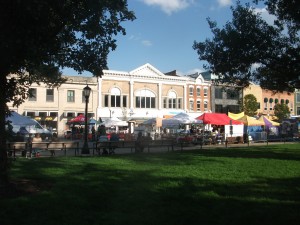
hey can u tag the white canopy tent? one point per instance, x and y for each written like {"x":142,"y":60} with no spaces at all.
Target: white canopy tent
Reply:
{"x":179,"y":119}
{"x":114,"y":122}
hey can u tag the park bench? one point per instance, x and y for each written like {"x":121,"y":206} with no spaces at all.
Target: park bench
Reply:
{"x":16,"y":147}
{"x":103,"y":146}
{"x":36,"y":147}
{"x":111,"y":145}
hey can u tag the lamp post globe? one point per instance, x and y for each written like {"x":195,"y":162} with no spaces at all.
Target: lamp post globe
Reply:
{"x":86,"y":92}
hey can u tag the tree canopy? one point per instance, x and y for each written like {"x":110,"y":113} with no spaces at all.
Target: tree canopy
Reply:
{"x":40,"y":37}
{"x":250,"y":105}
{"x":248,"y":49}
{"x":281,"y":111}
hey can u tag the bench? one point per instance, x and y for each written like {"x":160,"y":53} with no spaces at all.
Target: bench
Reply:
{"x":13,"y":147}
{"x":36,"y":147}
{"x":72,"y":145}
{"x":104,"y":145}
{"x":111,"y":145}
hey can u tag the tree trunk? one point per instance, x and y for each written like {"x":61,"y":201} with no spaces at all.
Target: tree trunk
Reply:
{"x":4,"y":163}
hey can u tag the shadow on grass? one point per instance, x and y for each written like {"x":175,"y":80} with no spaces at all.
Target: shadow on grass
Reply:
{"x":147,"y":189}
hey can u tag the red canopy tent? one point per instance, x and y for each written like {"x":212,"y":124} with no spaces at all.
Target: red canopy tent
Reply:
{"x":77,"y":120}
{"x":217,"y":119}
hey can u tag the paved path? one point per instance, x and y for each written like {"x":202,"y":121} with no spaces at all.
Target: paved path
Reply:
{"x":163,"y":149}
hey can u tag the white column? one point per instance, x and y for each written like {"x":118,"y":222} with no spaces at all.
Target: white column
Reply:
{"x":159,"y":96}
{"x":184,"y":98}
{"x":131,"y":93}
{"x":99,"y":107}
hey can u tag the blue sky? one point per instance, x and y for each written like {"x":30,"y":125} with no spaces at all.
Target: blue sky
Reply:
{"x":164,"y":32}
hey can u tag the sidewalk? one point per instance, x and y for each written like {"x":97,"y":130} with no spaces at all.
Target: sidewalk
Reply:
{"x":163,"y":149}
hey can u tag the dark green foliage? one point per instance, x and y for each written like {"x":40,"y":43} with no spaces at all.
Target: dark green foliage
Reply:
{"x":38,"y":38}
{"x":248,"y":49}
{"x":250,"y":105}
{"x":281,"y":111}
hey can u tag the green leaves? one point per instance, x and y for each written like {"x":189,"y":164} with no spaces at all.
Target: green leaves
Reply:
{"x":248,"y":49}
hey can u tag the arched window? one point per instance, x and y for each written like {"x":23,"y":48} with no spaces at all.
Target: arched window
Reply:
{"x":145,"y":99}
{"x":172,"y":100}
{"x":115,"y":97}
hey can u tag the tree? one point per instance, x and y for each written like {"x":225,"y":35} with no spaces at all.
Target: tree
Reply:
{"x":281,"y":111}
{"x":250,"y":105}
{"x":40,"y":37}
{"x":248,"y":49}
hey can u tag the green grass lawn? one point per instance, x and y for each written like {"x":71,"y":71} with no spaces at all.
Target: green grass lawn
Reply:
{"x":258,"y":185}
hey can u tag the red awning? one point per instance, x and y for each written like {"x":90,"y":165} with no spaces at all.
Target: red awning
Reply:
{"x":217,"y":119}
{"x":77,"y":120}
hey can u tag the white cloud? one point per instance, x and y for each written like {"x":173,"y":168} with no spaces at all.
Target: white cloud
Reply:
{"x":193,"y":71}
{"x":223,"y":3}
{"x":265,"y":15}
{"x":147,"y":43}
{"x":169,"y":6}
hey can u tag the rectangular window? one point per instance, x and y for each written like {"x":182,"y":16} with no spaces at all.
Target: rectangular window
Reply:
{"x":271,"y":106}
{"x":138,"y":102}
{"x":258,"y":105}
{"x":106,"y":101}
{"x":265,"y":106}
{"x":198,"y":105}
{"x":298,"y":97}
{"x":143,"y":102}
{"x":49,"y":95}
{"x":205,"y":92}
{"x":82,"y":97}
{"x":118,"y":101}
{"x":191,"y":105}
{"x":205,"y":106}
{"x":70,"y":96}
{"x":198,"y":91}
{"x":191,"y":89}
{"x":152,"y":102}
{"x":148,"y":102}
{"x":219,"y":108}
{"x":170,"y":103}
{"x":298,"y":110}
{"x":32,"y":94}
{"x":232,"y":94}
{"x":112,"y":101}
{"x":174,"y":103}
{"x":31,"y":114}
{"x":218,"y":93}
{"x":165,"y":103}
{"x":179,"y":103}
{"x":124,"y":103}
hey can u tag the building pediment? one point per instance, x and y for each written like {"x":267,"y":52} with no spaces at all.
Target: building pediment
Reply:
{"x":146,"y":70}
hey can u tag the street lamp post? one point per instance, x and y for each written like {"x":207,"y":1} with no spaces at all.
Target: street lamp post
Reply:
{"x":86,"y":93}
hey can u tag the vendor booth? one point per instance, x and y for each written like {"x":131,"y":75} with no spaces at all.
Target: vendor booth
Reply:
{"x":230,"y":127}
{"x":253,"y":127}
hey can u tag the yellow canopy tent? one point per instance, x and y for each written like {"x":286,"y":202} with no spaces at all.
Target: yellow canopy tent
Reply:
{"x":246,"y":120}
{"x":236,"y":116}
